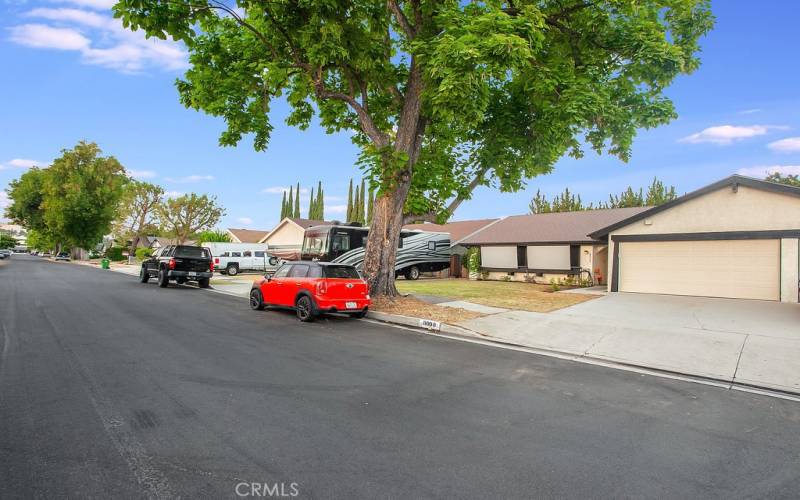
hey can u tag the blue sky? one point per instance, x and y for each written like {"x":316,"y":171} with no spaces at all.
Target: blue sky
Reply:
{"x":71,"y":73}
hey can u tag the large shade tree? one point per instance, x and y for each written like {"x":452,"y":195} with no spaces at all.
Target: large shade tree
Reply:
{"x":138,"y":211}
{"x":185,"y":216}
{"x":443,"y":96}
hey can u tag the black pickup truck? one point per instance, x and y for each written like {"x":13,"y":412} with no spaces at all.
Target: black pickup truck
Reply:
{"x":180,"y":263}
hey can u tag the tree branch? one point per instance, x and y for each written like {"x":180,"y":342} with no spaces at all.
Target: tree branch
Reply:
{"x":401,"y":18}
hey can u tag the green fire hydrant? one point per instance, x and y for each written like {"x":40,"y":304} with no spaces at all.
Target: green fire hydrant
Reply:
{"x":104,"y":264}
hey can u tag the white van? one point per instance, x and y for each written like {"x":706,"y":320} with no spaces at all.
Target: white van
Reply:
{"x":233,"y":258}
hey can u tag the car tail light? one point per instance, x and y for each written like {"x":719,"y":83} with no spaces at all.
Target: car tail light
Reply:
{"x":216,"y":260}
{"x":172,"y":263}
{"x":211,"y":266}
{"x":322,"y":287}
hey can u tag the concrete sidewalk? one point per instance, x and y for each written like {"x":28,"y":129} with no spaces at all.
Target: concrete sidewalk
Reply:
{"x":744,"y":342}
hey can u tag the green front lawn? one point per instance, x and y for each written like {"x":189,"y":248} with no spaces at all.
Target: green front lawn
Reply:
{"x":508,"y":294}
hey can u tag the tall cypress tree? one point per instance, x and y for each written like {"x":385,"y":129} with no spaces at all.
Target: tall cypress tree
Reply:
{"x":297,"y":202}
{"x":290,"y":202}
{"x":362,"y":199}
{"x":350,"y":202}
{"x":312,"y":213}
{"x":283,"y":206}
{"x":370,"y":202}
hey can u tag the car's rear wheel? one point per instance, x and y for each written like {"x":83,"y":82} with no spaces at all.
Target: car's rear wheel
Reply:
{"x":163,"y":279}
{"x":412,"y":273}
{"x":232,"y":270}
{"x":256,"y":301}
{"x":203,"y":282}
{"x":143,"y":276}
{"x":304,"y":308}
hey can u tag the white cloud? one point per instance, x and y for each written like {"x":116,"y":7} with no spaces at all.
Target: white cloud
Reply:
{"x":20,"y":163}
{"x":92,"y":4}
{"x":336,"y":209}
{"x":762,"y":171}
{"x":190,"y":178}
{"x":726,"y":134}
{"x":788,"y":145}
{"x":750,"y":111}
{"x":100,"y":39}
{"x":244,"y":220}
{"x":281,"y":190}
{"x":333,"y":198}
{"x":141,"y":174}
{"x":42,"y":36}
{"x":173,"y":194}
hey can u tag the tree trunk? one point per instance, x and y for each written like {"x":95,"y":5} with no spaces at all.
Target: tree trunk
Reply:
{"x":384,"y":235}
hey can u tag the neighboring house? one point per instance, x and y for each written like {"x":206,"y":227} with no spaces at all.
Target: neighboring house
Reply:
{"x":156,"y":242}
{"x":247,"y":235}
{"x":736,"y":238}
{"x":458,"y":230}
{"x":286,"y":239}
{"x":545,"y":247}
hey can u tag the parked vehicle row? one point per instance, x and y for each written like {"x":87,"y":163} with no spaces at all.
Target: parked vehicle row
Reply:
{"x":5,"y":254}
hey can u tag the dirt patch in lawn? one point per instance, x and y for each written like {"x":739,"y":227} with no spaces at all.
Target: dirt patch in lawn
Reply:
{"x":409,"y":306}
{"x":511,"y":295}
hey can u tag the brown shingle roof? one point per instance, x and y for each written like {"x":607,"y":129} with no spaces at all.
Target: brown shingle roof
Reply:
{"x":248,"y":235}
{"x":550,"y":228}
{"x":458,"y":229}
{"x":306,"y":223}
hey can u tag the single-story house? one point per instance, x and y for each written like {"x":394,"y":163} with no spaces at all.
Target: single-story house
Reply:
{"x":544,"y":247}
{"x":156,"y":242}
{"x":458,"y":230}
{"x":246,"y":235}
{"x":286,"y":239}
{"x":736,"y":238}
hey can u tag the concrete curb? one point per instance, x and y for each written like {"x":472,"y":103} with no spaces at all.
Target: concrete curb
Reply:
{"x":466,"y":335}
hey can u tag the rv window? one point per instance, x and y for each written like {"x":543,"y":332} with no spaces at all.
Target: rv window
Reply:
{"x":259,"y":254}
{"x":247,"y":253}
{"x":341,"y":241}
{"x":236,"y":254}
{"x":431,"y":245}
{"x":315,"y":243}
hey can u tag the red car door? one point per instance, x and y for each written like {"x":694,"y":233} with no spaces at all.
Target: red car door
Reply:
{"x":297,"y":281}
{"x":275,"y":291}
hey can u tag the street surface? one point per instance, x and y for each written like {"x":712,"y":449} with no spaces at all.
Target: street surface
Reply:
{"x":114,"y":389}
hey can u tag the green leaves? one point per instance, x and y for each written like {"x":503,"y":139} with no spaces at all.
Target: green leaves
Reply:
{"x":504,"y":90}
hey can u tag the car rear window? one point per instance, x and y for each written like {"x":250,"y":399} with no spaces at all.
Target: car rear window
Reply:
{"x":347,"y":272}
{"x":192,"y":253}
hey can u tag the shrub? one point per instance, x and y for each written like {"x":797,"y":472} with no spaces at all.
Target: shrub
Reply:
{"x":555,"y":285}
{"x":115,"y":253}
{"x":143,"y":253}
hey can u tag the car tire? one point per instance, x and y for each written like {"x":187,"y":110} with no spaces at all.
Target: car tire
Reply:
{"x":203,"y":282}
{"x":412,"y":273}
{"x":143,"y":276}
{"x":163,"y":279}
{"x":232,"y":270}
{"x":256,"y":301}
{"x":304,"y":307}
{"x":359,"y":314}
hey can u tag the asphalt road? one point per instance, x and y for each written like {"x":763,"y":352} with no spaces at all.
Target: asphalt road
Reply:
{"x":114,"y":389}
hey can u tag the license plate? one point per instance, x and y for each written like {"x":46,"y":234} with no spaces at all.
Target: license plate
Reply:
{"x":192,"y":274}
{"x":350,"y":305}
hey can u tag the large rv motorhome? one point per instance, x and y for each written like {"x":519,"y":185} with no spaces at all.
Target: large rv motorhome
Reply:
{"x":417,"y":251}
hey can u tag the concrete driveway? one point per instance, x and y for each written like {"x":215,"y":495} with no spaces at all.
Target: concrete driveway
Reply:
{"x":745,"y":342}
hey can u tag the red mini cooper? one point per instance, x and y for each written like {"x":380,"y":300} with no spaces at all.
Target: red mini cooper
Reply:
{"x":311,"y":289}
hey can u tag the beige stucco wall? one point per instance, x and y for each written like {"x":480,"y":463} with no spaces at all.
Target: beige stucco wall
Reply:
{"x":790,"y":269}
{"x":287,"y":234}
{"x":722,"y":210}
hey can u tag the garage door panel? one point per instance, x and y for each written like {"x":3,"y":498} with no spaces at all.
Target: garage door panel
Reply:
{"x":728,"y":268}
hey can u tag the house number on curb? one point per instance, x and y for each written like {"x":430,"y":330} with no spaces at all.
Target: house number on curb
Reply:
{"x":430,"y":324}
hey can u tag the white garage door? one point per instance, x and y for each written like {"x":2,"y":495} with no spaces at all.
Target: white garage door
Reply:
{"x":747,"y":269}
